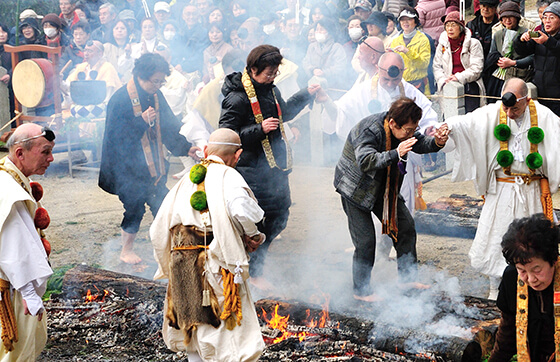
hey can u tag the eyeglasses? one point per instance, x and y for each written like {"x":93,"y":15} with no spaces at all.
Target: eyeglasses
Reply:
{"x":46,"y":132}
{"x":270,"y":76}
{"x":409,"y":130}
{"x":363,"y":41}
{"x":157,"y":82}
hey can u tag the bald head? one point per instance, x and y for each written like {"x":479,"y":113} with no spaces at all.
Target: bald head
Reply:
{"x":226,"y":144}
{"x":30,"y":149}
{"x":391,"y":58}
{"x":391,"y":67}
{"x":370,"y":51}
{"x":516,"y":86}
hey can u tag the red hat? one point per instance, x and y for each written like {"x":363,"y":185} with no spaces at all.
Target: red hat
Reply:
{"x":454,"y":16}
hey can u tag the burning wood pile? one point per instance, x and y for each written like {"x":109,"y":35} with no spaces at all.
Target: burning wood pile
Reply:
{"x":116,"y":317}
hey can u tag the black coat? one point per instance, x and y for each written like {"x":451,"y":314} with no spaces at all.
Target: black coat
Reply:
{"x":270,"y":185}
{"x":547,"y":67}
{"x":123,"y":165}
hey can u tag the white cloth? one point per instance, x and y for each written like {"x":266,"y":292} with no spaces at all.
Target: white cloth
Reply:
{"x":475,"y":159}
{"x":233,"y":212}
{"x":23,"y":262}
{"x":175,"y":92}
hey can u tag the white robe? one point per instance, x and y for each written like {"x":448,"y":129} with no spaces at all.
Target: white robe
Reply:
{"x":475,"y":159}
{"x":233,"y":211}
{"x":23,"y":260}
{"x":354,"y":106}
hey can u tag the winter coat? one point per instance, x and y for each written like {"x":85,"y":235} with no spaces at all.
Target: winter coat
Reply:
{"x":270,"y":185}
{"x":395,"y":6}
{"x":482,"y":32}
{"x":417,"y":59}
{"x":330,"y":57}
{"x":430,"y":13}
{"x":547,"y":67}
{"x":521,"y":70}
{"x":472,"y":58}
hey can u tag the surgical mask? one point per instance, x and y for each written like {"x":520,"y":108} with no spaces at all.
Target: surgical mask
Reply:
{"x":355,"y":33}
{"x":168,"y":35}
{"x":321,"y":37}
{"x":269,"y":29}
{"x":50,"y":32}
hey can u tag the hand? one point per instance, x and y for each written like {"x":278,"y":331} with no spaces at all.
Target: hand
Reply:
{"x":253,"y":243}
{"x":504,"y":62}
{"x":127,"y":50}
{"x":442,"y":135}
{"x":451,"y":78}
{"x":543,"y":38}
{"x":193,"y":153}
{"x":5,"y":79}
{"x":320,"y":94}
{"x":430,"y":131}
{"x":270,"y":124}
{"x":149,"y":115}
{"x":406,"y":146}
{"x":400,"y":48}
{"x":525,"y":36}
{"x":296,"y":133}
{"x":318,"y":72}
{"x":27,"y":312}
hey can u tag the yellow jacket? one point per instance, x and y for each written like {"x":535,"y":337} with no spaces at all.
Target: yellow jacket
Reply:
{"x":417,"y":59}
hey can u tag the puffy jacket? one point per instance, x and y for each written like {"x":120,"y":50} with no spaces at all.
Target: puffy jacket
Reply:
{"x":430,"y":13}
{"x":417,"y":59}
{"x":547,"y":67}
{"x":270,"y":185}
{"x":472,"y":58}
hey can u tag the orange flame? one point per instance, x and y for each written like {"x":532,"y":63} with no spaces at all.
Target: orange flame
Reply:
{"x":99,"y":297}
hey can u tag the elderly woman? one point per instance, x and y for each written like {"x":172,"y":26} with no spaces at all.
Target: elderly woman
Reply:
{"x":118,"y":51}
{"x":414,"y":47}
{"x":459,"y":58}
{"x":254,"y":108}
{"x":502,"y":61}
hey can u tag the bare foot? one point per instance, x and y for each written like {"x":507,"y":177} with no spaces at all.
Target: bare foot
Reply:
{"x":372,"y":298}
{"x":415,"y":285}
{"x":130,"y":257}
{"x":261,"y":283}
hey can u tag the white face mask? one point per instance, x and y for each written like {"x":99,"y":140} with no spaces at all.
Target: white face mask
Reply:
{"x":50,"y":32}
{"x":269,"y":29}
{"x":168,"y":35}
{"x":320,"y":37}
{"x":355,"y":33}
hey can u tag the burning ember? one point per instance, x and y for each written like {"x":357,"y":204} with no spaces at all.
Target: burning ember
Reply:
{"x":99,"y":297}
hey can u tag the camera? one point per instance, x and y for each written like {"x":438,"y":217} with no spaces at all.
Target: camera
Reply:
{"x":534,"y":34}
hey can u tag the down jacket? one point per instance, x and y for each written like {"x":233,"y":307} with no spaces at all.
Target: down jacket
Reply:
{"x":270,"y":185}
{"x":472,"y":58}
{"x":430,"y":13}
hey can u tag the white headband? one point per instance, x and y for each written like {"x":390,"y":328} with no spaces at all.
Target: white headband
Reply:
{"x":225,"y":143}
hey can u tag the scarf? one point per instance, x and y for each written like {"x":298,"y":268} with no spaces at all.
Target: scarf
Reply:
{"x":389,"y":220}
{"x":151,"y":140}
{"x":456,"y":48}
{"x":256,"y":108}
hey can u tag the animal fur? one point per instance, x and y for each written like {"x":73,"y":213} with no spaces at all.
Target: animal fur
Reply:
{"x":186,"y":282}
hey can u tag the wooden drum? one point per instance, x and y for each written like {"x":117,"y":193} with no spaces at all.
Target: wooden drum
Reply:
{"x":32,"y":81}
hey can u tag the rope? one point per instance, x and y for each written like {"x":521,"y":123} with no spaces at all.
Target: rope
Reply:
{"x":546,"y":199}
{"x":7,"y":317}
{"x":232,"y":302}
{"x":189,"y":247}
{"x":433,"y":96}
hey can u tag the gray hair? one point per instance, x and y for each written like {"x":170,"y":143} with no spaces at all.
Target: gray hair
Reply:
{"x":112,"y":9}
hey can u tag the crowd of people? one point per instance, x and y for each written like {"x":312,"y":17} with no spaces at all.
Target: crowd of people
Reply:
{"x":238,"y":75}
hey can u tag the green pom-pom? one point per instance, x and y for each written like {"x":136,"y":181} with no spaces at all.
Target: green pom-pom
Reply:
{"x":504,"y":158}
{"x":502,"y":132}
{"x":534,"y":160}
{"x":535,"y":135}
{"x":198,"y":201}
{"x":197,"y":174}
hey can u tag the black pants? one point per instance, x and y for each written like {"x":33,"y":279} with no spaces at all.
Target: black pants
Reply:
{"x":272,"y":225}
{"x":362,"y":232}
{"x":134,"y":202}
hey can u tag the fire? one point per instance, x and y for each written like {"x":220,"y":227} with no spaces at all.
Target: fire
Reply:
{"x":99,"y":297}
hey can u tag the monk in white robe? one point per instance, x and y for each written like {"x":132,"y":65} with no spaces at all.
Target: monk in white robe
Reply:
{"x":24,"y":267}
{"x":506,"y":197}
{"x":233,"y":214}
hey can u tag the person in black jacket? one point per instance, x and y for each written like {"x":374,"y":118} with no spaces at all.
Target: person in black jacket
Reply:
{"x":530,"y":247}
{"x":139,"y":122}
{"x":546,"y":48}
{"x":481,"y":27}
{"x":368,"y":178}
{"x":266,"y":160}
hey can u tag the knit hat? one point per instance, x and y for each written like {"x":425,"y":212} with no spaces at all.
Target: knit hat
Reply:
{"x":448,"y":10}
{"x":509,"y":8}
{"x":364,"y":4}
{"x":553,"y":8}
{"x":492,"y":3}
{"x":454,"y":16}
{"x":53,"y":19}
